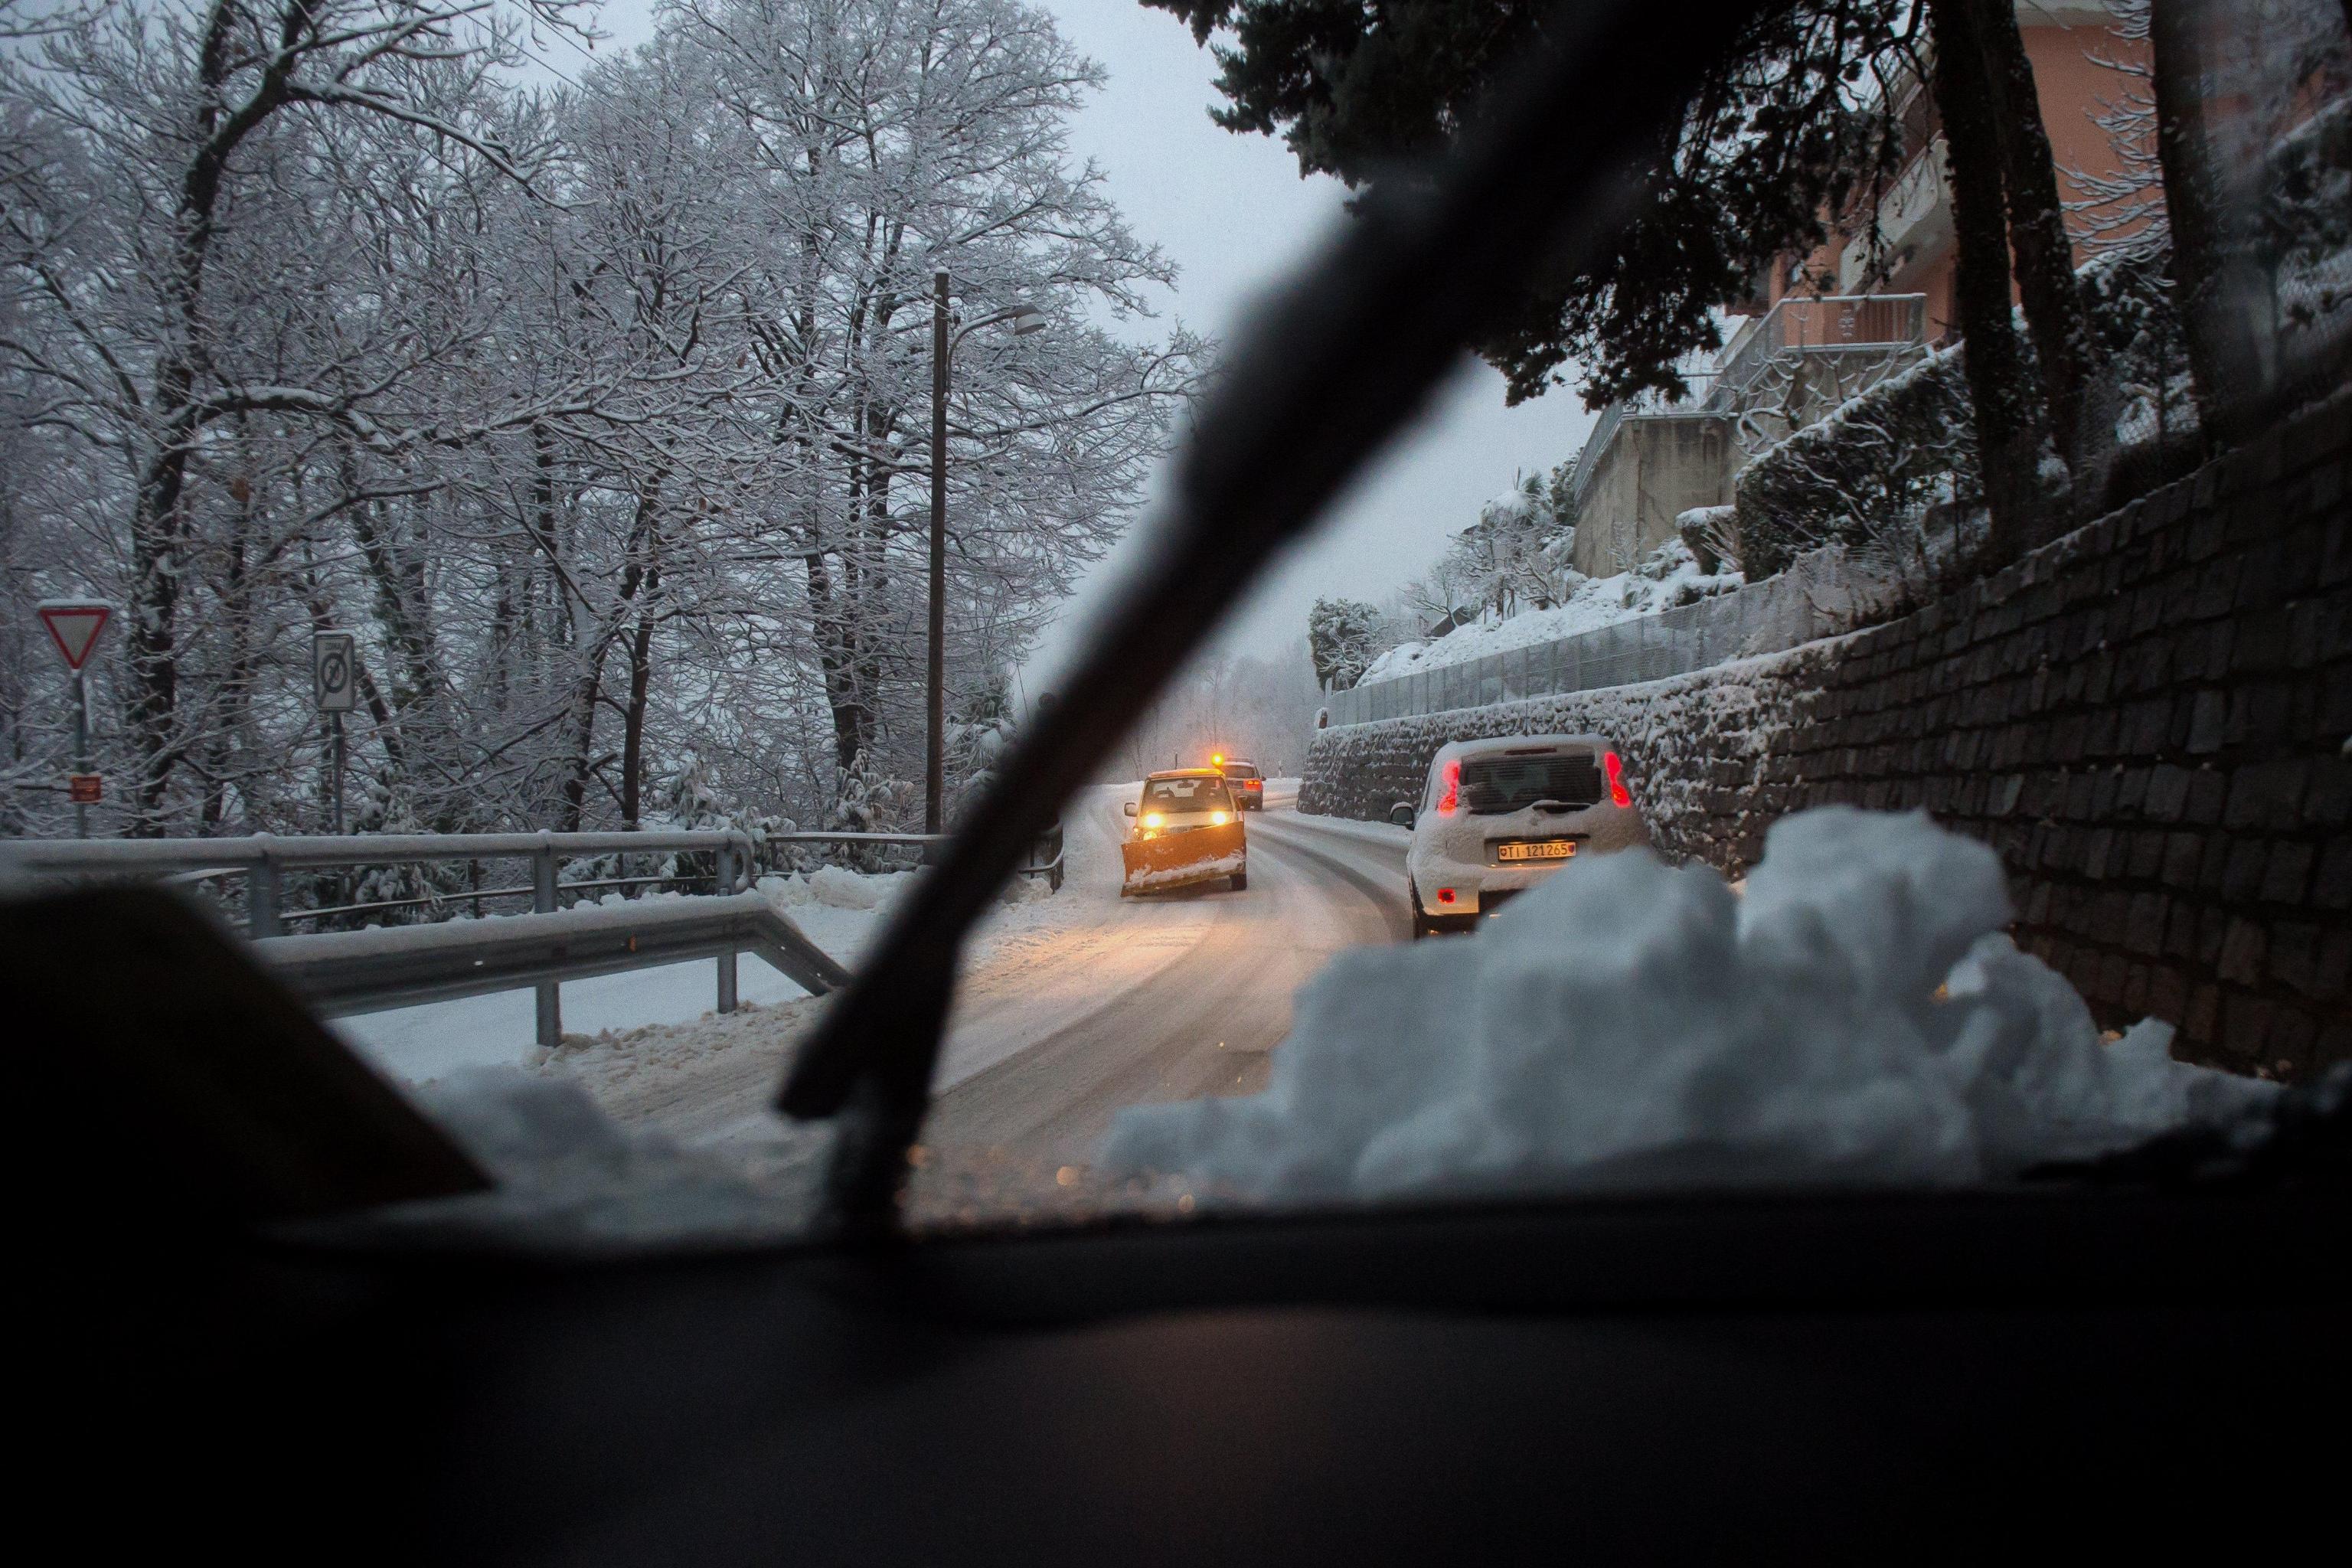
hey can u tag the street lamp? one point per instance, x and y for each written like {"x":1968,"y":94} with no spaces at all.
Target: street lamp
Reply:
{"x":1025,"y":318}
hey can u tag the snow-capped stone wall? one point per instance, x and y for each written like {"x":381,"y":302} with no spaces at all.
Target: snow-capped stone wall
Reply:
{"x":2148,"y":718}
{"x":1696,"y":749}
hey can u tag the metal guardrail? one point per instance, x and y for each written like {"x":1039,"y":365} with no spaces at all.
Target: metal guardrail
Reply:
{"x":365,"y":971}
{"x":262,"y":859}
{"x":399,"y":967}
{"x":1045,"y":856}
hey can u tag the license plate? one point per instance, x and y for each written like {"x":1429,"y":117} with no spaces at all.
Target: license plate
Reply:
{"x":1539,"y":849}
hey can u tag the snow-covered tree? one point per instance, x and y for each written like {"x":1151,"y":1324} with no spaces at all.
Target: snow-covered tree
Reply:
{"x":1343,"y":637}
{"x":600,"y":413}
{"x":1514,"y":557}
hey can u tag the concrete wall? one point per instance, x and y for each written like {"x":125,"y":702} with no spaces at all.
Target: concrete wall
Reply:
{"x":1657,"y":466}
{"x":2146,"y":718}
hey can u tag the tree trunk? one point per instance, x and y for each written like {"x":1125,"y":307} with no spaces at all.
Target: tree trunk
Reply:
{"x":402,"y":605}
{"x":632,"y":721}
{"x":541,"y":520}
{"x":2008,"y":428}
{"x":2045,"y":256}
{"x":159,"y":525}
{"x":588,"y":691}
{"x":2225,"y":363}
{"x":837,"y":662}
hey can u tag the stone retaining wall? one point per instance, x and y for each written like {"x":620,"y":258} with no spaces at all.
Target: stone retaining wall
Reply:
{"x":2149,"y":719}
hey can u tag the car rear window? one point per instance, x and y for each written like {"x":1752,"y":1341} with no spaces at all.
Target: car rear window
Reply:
{"x":1492,"y":785}
{"x":1240,"y":771}
{"x":1186,"y":795}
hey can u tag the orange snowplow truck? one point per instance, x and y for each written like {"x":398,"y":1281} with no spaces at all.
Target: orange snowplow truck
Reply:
{"x":1187,"y":831}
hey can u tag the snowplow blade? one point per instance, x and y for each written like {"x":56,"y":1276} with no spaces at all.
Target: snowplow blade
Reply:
{"x":1181,"y":860}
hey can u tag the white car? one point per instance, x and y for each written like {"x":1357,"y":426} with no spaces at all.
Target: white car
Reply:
{"x":1497,"y":816}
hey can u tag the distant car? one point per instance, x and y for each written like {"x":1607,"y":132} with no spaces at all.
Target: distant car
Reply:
{"x":1497,"y":816}
{"x":1248,"y":784}
{"x":1188,"y":831}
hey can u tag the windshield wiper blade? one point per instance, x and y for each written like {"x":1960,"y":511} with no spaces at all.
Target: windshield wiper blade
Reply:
{"x":1340,"y":362}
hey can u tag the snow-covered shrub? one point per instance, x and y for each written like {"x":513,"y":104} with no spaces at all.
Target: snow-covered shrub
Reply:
{"x":2137,"y":330}
{"x":1870,"y":469}
{"x":1712,"y":535}
{"x":1858,"y":1018}
{"x":1893,"y":472}
{"x":2303,"y":234}
{"x":1673,"y":575}
{"x":867,"y":800}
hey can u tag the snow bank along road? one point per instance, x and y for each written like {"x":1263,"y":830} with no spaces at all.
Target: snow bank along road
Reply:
{"x":1071,"y":1007}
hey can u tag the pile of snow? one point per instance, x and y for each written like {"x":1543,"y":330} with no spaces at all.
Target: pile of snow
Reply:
{"x":837,"y":887}
{"x":568,"y":1176}
{"x":1668,"y":577}
{"x":1858,"y":1018}
{"x":1222,"y":866}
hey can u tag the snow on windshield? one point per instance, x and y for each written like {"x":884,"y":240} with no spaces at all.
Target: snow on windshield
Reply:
{"x":1858,"y":1018}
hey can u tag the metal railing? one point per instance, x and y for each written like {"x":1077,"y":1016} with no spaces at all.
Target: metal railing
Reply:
{"x":399,"y":967}
{"x":1800,"y":324}
{"x":1832,"y":323}
{"x":365,"y":971}
{"x":264,"y":859}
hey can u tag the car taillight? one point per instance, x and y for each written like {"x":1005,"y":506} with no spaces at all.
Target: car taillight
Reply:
{"x":1450,"y":797}
{"x":1618,"y":794}
{"x":1445,"y":895}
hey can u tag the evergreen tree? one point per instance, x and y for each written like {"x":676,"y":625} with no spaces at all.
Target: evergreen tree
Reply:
{"x":1793,"y":130}
{"x":1340,"y":634}
{"x":1791,"y":127}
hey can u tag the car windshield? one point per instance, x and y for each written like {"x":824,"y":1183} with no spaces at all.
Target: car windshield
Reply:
{"x":647,"y":581}
{"x":1186,"y":795}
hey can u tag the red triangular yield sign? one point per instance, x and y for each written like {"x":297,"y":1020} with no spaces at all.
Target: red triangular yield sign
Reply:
{"x":73,"y":625}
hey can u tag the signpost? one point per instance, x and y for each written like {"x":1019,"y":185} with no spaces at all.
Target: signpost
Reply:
{"x":334,"y":682}
{"x":75,"y":625}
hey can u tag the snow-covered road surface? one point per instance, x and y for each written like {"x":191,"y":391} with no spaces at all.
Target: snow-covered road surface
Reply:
{"x":1166,"y":998}
{"x":1070,"y":1008}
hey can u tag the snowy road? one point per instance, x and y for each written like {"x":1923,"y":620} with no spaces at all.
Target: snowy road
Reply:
{"x":1070,"y":1006}
{"x":1161,"y":998}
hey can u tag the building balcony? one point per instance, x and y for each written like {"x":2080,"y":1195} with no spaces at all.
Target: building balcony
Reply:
{"x":1800,"y":326}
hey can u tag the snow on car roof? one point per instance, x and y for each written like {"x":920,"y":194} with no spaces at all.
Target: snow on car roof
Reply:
{"x":1509,"y":743}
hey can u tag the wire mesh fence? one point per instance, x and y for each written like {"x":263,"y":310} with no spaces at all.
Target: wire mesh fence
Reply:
{"x":1815,"y":597}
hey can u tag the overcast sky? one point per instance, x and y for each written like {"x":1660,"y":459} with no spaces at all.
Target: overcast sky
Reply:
{"x":1235,"y":215}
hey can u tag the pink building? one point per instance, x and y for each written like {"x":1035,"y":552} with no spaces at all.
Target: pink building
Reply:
{"x":1821,"y":328}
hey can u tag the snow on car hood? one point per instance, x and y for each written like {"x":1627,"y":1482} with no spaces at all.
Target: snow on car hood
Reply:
{"x":1858,"y":1018}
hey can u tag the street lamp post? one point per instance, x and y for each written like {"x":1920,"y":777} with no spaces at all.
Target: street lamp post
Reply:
{"x":1025,"y":318}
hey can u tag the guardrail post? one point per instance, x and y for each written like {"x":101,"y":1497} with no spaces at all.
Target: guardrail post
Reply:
{"x":542,"y":901}
{"x":726,"y":884}
{"x":261,"y":898}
